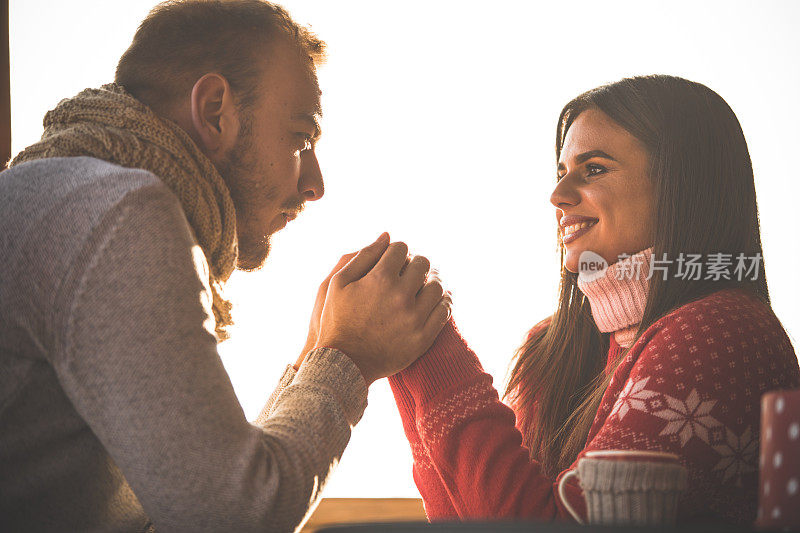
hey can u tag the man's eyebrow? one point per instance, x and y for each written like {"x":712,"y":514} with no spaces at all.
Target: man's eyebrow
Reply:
{"x":585,"y":156}
{"x":312,"y":119}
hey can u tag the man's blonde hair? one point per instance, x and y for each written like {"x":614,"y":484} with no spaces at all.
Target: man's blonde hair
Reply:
{"x":181,"y":40}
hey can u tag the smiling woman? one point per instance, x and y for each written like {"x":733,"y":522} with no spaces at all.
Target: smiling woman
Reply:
{"x":438,"y":128}
{"x":683,"y":165}
{"x":629,"y":359}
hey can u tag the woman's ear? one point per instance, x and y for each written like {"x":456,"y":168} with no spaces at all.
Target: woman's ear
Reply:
{"x":214,"y":115}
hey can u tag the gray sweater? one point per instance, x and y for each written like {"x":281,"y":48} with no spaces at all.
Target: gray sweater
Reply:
{"x":116,"y":413}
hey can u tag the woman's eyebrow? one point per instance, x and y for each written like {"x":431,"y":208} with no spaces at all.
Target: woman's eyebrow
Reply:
{"x":585,"y":156}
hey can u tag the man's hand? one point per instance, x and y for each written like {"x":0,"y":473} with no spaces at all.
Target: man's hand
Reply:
{"x":382,"y":315}
{"x":313,"y":327}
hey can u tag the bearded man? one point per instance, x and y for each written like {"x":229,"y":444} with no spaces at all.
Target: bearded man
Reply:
{"x":119,"y":230}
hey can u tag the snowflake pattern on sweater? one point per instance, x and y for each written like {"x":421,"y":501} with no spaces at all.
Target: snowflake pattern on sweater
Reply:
{"x":690,"y":385}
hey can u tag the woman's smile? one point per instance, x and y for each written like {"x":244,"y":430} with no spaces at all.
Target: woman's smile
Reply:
{"x":575,"y":231}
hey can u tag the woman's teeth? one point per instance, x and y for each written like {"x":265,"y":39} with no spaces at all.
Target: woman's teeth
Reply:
{"x":575,"y":227}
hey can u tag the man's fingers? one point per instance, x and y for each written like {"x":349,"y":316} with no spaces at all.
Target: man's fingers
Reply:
{"x":394,"y":258}
{"x":346,"y":258}
{"x":323,"y":287}
{"x":406,"y":263}
{"x":439,"y":316}
{"x":433,"y":275}
{"x":429,"y":296}
{"x":415,"y":274}
{"x":363,"y":261}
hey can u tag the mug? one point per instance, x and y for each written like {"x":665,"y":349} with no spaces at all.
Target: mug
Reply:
{"x":779,"y":461}
{"x":628,"y":487}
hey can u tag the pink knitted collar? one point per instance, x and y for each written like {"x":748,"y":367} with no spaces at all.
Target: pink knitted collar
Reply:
{"x":618,"y":297}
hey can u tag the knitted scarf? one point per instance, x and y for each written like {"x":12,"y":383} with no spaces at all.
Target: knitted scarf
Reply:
{"x":110,"y":124}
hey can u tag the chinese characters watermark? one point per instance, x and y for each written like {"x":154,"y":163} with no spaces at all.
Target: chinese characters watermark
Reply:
{"x":717,"y":266}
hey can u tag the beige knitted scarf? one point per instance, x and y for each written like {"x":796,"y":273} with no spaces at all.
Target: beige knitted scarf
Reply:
{"x":110,"y":124}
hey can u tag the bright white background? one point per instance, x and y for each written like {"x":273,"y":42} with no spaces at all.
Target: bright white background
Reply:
{"x":439,"y":127}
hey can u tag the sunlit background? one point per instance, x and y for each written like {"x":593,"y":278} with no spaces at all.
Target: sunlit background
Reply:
{"x":439,"y":128}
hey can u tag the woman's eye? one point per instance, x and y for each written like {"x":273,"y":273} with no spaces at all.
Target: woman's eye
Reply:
{"x":593,"y":170}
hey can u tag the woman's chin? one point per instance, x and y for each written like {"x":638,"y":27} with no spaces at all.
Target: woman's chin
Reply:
{"x":572,"y":258}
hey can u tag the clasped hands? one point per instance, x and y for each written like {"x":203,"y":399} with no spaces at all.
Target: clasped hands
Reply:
{"x":380,"y":307}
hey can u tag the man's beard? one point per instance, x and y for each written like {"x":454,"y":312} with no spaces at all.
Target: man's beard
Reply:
{"x":234,"y":170}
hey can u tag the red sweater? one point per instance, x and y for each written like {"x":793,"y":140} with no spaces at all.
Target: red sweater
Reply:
{"x":690,"y":385}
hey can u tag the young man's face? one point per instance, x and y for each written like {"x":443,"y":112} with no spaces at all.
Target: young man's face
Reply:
{"x":272,"y":169}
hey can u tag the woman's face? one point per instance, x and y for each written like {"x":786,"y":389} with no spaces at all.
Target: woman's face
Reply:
{"x":603,"y":178}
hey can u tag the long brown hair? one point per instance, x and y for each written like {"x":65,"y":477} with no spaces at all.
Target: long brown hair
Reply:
{"x":705,"y":203}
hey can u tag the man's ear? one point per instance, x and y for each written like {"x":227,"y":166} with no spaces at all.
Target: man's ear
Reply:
{"x":214,"y":116}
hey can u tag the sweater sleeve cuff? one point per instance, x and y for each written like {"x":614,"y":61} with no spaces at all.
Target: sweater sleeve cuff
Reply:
{"x":405,"y":404}
{"x":334,"y":371}
{"x":403,"y":398}
{"x":447,"y":364}
{"x":285,"y":381}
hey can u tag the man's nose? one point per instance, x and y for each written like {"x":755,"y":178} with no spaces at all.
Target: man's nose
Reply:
{"x":310,"y":184}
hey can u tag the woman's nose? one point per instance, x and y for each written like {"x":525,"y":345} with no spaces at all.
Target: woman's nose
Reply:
{"x":565,"y":193}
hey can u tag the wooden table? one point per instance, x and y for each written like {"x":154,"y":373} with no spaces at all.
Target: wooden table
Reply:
{"x":333,"y":511}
